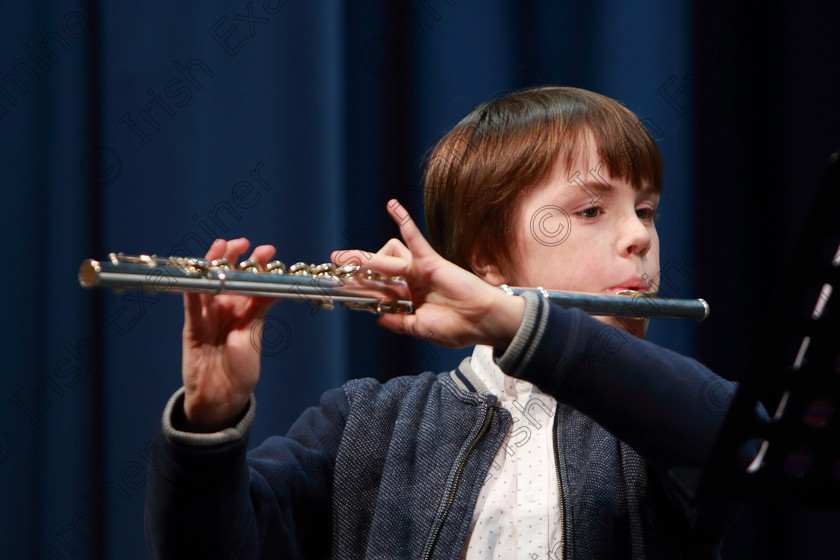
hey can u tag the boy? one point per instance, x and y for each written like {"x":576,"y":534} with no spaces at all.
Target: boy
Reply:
{"x":551,"y":441}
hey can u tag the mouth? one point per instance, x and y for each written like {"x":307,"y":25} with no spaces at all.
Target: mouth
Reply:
{"x":636,"y":284}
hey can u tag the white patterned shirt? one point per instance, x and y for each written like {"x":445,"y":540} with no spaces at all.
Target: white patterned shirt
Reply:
{"x":518,"y":513}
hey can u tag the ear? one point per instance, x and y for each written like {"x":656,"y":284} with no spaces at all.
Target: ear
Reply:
{"x":489,"y":272}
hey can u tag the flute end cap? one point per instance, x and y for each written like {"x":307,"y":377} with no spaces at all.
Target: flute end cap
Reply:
{"x":89,"y":273}
{"x":706,"y":309}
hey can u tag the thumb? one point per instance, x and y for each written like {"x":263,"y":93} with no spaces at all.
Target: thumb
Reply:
{"x":260,"y":306}
{"x":395,"y":322}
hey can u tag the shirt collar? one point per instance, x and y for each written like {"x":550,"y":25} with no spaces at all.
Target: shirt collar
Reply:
{"x":505,"y":387}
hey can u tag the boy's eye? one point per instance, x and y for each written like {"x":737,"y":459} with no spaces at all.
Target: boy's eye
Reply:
{"x":647,"y":214}
{"x":591,"y":212}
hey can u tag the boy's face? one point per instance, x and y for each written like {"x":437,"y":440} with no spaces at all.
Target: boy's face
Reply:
{"x":586,"y":231}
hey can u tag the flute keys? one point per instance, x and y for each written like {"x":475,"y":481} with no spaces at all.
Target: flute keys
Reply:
{"x":324,"y":303}
{"x":346,"y":271}
{"x":197,"y":266}
{"x":300,"y":269}
{"x":276,"y":267}
{"x":221,"y":264}
{"x":368,"y":274}
{"x":249,"y":265}
{"x":323,"y":270}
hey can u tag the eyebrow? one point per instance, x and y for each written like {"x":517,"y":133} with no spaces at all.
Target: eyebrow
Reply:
{"x":607,"y":186}
{"x":591,"y":187}
{"x":598,"y":186}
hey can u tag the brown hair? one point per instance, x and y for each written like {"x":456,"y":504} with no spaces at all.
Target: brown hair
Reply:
{"x":478,"y":173}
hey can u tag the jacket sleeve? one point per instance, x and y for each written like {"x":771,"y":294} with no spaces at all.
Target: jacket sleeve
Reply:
{"x":208,"y":498}
{"x":668,"y":407}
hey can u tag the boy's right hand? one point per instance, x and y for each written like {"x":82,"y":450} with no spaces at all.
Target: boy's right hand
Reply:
{"x":220,"y":361}
{"x":452,"y":306}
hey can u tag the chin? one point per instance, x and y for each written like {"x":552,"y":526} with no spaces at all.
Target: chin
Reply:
{"x":632,"y":325}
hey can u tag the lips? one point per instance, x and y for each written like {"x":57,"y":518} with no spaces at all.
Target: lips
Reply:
{"x":635,"y":283}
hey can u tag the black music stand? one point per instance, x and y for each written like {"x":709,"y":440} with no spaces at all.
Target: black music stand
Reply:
{"x":796,"y":377}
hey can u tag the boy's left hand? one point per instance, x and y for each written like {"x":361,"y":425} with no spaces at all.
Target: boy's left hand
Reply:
{"x":452,"y":307}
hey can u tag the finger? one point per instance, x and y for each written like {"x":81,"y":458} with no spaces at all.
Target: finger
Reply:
{"x":413,"y":237}
{"x":386,"y":264}
{"x":235,"y":247}
{"x":261,"y":305}
{"x":192,"y":310}
{"x":262,"y":254}
{"x":395,"y":322}
{"x":352,"y":257}
{"x":194,"y":304}
{"x":216,"y":250}
{"x":395,"y":248}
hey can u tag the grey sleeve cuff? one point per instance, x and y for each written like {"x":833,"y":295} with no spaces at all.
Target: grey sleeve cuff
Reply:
{"x":527,"y":337}
{"x":174,"y":411}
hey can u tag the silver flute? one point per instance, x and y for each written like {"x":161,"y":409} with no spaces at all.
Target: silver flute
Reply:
{"x":326,"y":284}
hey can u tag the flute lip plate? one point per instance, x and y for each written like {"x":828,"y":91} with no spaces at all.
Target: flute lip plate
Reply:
{"x":635,"y":293}
{"x":89,"y":273}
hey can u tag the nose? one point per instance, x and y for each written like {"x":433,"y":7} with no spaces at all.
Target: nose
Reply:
{"x":635,"y":237}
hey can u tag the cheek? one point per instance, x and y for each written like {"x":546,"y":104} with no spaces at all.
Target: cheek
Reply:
{"x":653,"y":255}
{"x":559,"y":268}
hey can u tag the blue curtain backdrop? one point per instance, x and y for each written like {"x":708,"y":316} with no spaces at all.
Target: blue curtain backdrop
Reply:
{"x":156,"y":127}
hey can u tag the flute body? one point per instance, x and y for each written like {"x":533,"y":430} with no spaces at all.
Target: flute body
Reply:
{"x":325,"y":285}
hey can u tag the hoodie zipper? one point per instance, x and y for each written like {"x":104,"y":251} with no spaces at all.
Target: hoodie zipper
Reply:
{"x":564,"y":535}
{"x":453,"y":486}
